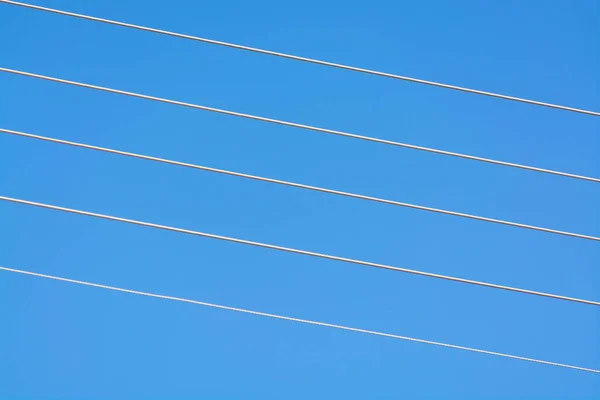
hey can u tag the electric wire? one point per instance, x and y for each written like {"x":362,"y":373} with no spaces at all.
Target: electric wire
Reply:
{"x":325,"y":190}
{"x":301,"y":126}
{"x":299,"y":58}
{"x":294,"y":184}
{"x":299,"y":320}
{"x":295,"y":251}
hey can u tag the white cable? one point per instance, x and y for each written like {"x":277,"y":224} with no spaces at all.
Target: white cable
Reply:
{"x":296,"y":251}
{"x":300,"y":185}
{"x":301,"y":126}
{"x":302,"y":321}
{"x":298,"y":58}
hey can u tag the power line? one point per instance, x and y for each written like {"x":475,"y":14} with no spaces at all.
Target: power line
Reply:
{"x":301,"y":126}
{"x":297,"y":185}
{"x":299,"y":58}
{"x":325,"y":190}
{"x":296,"y":251}
{"x":300,"y":320}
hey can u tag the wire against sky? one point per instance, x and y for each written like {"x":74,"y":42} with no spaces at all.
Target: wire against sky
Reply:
{"x":299,"y":58}
{"x":296,"y":251}
{"x":301,"y":126}
{"x":293,"y":184}
{"x":300,"y":320}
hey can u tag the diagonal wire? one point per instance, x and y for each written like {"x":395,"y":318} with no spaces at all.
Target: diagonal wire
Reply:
{"x":297,"y":185}
{"x":299,"y":58}
{"x":301,"y":126}
{"x":299,"y":320}
{"x":295,"y":251}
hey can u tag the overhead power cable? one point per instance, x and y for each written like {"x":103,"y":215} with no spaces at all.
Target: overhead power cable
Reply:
{"x":299,"y":58}
{"x":295,"y":251}
{"x":297,"y":185}
{"x":300,"y":320}
{"x":301,"y":126}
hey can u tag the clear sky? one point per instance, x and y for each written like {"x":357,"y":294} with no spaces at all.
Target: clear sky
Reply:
{"x":63,"y":341}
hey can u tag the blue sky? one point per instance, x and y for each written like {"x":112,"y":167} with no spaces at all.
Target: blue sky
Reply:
{"x":59,"y":340}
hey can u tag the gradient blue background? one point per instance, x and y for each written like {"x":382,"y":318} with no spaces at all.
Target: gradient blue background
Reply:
{"x":63,"y":341}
